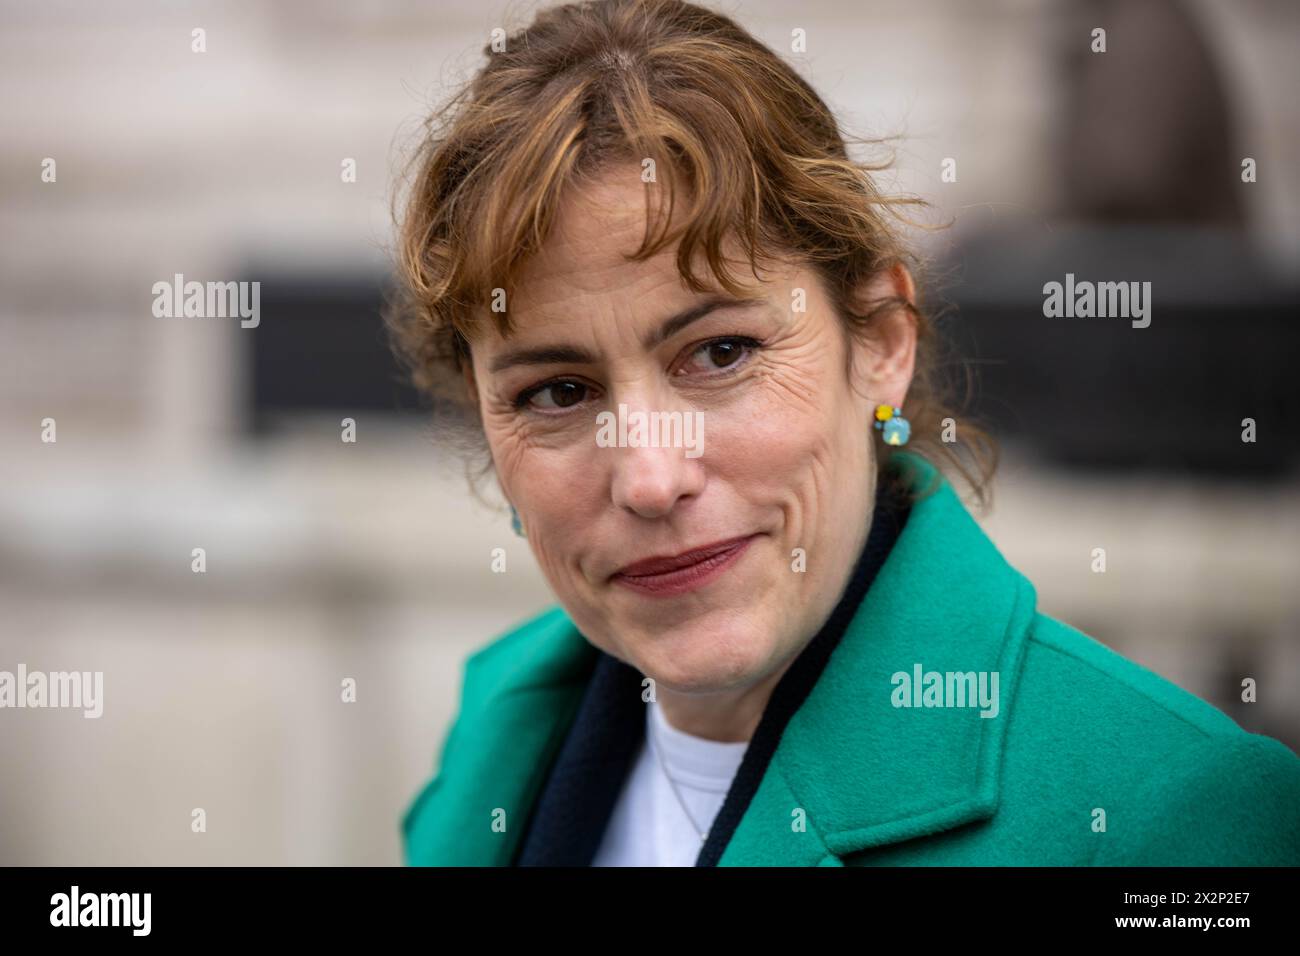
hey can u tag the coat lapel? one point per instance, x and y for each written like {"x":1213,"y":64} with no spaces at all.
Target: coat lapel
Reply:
{"x":851,"y":771}
{"x":568,"y":821}
{"x":856,"y":770}
{"x":520,"y":697}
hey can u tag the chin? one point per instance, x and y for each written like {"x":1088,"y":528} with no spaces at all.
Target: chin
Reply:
{"x":708,"y":654}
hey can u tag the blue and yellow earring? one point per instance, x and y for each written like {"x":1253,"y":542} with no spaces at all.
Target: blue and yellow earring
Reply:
{"x":897,"y":429}
{"x":515,"y":523}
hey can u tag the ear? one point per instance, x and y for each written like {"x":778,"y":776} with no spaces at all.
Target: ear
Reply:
{"x":885,"y":352}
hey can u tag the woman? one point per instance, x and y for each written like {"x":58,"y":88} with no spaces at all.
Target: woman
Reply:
{"x":682,"y":323}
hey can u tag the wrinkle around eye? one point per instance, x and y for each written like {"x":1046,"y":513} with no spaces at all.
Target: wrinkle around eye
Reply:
{"x":524,"y":400}
{"x":749,"y":348}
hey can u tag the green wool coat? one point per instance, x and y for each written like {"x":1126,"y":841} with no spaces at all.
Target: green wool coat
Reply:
{"x":1090,"y":759}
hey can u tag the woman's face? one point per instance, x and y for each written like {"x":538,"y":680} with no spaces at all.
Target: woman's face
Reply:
{"x":774,"y":500}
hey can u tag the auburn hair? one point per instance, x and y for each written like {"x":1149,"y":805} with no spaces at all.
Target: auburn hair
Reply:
{"x":742,"y":147}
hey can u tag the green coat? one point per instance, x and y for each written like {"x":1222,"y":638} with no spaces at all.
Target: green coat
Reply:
{"x":857,"y":780}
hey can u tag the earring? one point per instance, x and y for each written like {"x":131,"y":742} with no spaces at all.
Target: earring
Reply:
{"x":897,"y":429}
{"x":515,"y":523}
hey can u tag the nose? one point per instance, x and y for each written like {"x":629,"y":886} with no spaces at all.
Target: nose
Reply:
{"x":649,"y":481}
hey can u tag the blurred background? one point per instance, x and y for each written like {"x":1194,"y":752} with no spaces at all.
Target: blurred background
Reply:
{"x":328,"y":560}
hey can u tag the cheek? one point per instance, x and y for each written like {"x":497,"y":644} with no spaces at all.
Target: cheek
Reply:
{"x":508,"y":449}
{"x":796,"y":431}
{"x":526,"y":458}
{"x":556,"y":489}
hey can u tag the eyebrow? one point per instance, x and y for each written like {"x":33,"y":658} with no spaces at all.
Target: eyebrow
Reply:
{"x":556,"y":354}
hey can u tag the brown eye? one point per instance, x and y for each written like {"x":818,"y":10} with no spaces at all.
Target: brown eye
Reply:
{"x":724,"y":353}
{"x":720,"y":354}
{"x":561,"y":395}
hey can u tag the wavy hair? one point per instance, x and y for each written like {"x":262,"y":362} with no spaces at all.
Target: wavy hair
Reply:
{"x":742,"y":147}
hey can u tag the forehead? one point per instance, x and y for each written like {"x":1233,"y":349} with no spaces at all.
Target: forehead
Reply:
{"x":583,"y":265}
{"x":597,"y":225}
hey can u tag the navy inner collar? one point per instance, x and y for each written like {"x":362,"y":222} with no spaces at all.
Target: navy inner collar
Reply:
{"x":587,"y":775}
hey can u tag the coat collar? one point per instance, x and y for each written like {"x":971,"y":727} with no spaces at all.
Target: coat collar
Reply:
{"x":869,"y":773}
{"x":866,"y":773}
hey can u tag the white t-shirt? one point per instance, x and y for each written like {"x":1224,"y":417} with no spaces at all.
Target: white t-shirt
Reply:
{"x":648,"y":826}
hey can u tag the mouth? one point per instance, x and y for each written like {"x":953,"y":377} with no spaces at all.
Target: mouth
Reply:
{"x":679,"y":573}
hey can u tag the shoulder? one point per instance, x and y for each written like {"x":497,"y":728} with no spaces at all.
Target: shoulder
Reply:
{"x":545,"y":654}
{"x":1097,"y":675}
{"x":538,"y":652}
{"x":507,"y":646}
{"x":497,"y":666}
{"x":1181,"y":783}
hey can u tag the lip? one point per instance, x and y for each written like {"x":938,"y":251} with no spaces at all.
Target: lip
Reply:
{"x":679,"y":573}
